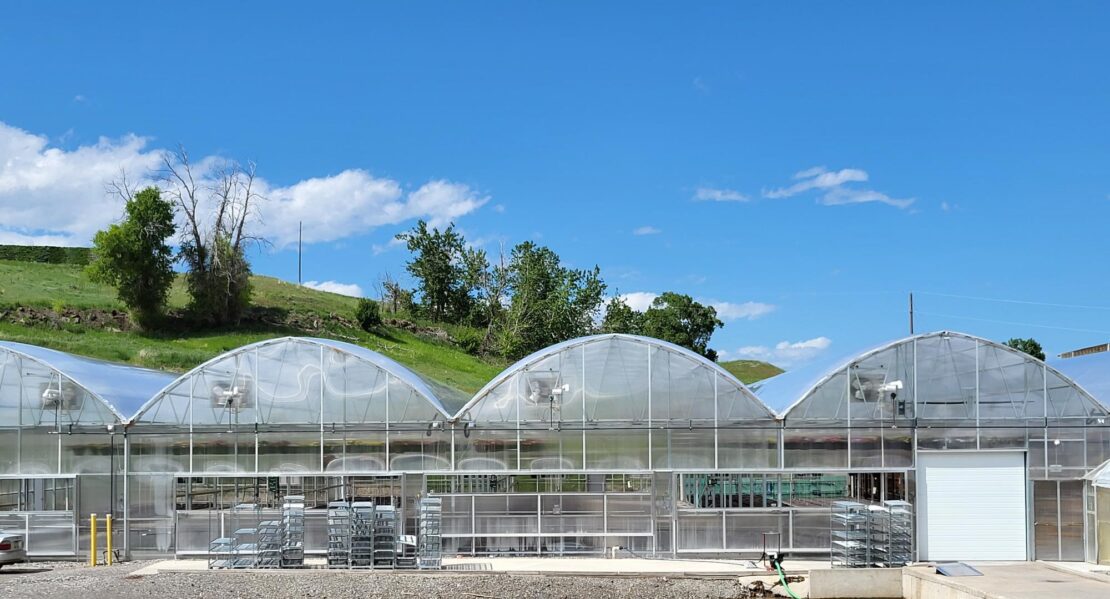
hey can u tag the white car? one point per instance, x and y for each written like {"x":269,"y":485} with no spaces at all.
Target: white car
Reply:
{"x":12,"y":549}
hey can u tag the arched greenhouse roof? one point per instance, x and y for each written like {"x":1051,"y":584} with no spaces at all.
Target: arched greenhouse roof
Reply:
{"x":946,"y":366}
{"x":686,"y":385}
{"x":1092,"y":372}
{"x":295,"y":364}
{"x":121,"y":388}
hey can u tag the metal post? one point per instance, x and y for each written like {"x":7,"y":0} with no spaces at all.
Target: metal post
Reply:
{"x":108,"y":539}
{"x":911,"y":313}
{"x":92,"y":539}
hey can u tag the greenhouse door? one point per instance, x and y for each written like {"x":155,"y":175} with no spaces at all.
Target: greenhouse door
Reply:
{"x":971,"y":506}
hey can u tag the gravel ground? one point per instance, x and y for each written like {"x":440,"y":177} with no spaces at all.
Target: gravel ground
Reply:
{"x":74,"y":580}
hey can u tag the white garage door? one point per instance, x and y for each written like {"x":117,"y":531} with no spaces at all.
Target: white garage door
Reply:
{"x":972,"y":506}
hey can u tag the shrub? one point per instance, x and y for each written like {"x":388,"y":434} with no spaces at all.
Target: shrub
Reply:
{"x":368,"y":314}
{"x":469,"y":340}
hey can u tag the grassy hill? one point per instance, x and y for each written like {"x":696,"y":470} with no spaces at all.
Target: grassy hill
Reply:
{"x":751,"y":371}
{"x":55,"y":305}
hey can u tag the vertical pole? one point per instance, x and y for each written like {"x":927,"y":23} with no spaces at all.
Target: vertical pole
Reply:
{"x":92,"y":539}
{"x":108,"y":539}
{"x":300,"y":235}
{"x":911,"y":313}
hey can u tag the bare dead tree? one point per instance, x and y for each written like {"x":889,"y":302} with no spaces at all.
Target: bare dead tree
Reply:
{"x":121,"y":186}
{"x":216,"y":204}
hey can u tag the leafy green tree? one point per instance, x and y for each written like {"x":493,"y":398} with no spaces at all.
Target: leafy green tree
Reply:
{"x":677,"y":318}
{"x":621,"y":318}
{"x":133,"y":256}
{"x":446,"y":271}
{"x":1029,"y":346}
{"x":550,"y":303}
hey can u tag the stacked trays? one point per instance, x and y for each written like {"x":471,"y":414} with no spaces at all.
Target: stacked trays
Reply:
{"x":269,"y":544}
{"x":362,"y":535}
{"x":429,"y":540}
{"x":900,"y":533}
{"x":339,"y":534}
{"x":292,"y":521}
{"x":385,"y":536}
{"x":851,"y":535}
{"x":240,"y":549}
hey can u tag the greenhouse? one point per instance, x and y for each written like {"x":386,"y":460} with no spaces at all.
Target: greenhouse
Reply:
{"x":62,"y":447}
{"x":594,"y":443}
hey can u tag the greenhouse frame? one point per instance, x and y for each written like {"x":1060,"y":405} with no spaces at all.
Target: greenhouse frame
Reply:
{"x":594,"y":443}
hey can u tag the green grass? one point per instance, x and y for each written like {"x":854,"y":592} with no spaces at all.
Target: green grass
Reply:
{"x":53,"y":285}
{"x":750,"y":371}
{"x":56,"y":285}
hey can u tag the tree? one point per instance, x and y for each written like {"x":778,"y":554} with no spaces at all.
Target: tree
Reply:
{"x":550,"y":303}
{"x":679,"y":319}
{"x":368,"y":313}
{"x":133,"y":255}
{"x":445,"y":269}
{"x":621,"y":318}
{"x":216,"y":205}
{"x":1029,"y":346}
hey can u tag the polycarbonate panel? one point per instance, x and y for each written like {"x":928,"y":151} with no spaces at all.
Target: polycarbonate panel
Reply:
{"x":357,"y":452}
{"x":38,"y":451}
{"x":815,"y":448}
{"x":289,"y":452}
{"x":289,"y":383}
{"x":296,"y":381}
{"x":682,"y":390}
{"x":698,"y":531}
{"x":747,"y":447}
{"x":625,"y":449}
{"x":682,"y":448}
{"x":616,"y":381}
{"x":827,"y":401}
{"x":223,"y":452}
{"x":543,"y":449}
{"x":159,"y":452}
{"x":418,"y":451}
{"x":486,"y":449}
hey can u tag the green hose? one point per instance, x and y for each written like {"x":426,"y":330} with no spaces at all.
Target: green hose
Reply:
{"x":782,"y":579}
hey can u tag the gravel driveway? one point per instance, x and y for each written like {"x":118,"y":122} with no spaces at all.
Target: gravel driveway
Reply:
{"x":66,"y":580}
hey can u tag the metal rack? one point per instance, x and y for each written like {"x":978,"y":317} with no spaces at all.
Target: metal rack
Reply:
{"x":385,"y":536}
{"x":339,"y":534}
{"x":292,"y":522}
{"x":429,"y":554}
{"x":269,"y":544}
{"x":850,"y":535}
{"x":899,"y":523}
{"x":240,"y":548}
{"x":362,"y":535}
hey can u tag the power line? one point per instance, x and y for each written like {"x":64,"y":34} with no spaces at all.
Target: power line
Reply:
{"x":1013,"y":301}
{"x":1015,"y":323}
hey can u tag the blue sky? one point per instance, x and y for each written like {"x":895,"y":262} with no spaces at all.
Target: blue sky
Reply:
{"x":819,"y":161}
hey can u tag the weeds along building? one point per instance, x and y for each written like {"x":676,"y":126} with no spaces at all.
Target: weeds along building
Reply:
{"x":603,"y":441}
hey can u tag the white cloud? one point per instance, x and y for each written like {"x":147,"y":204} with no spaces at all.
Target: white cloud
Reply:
{"x":56,"y":196}
{"x":785,"y":353}
{"x":336,"y":287}
{"x":840,"y":196}
{"x":647,"y":230}
{"x":639,"y":301}
{"x":79,"y":98}
{"x":728,"y":311}
{"x":499,"y":208}
{"x":817,"y":178}
{"x":709,"y":194}
{"x":834,"y":186}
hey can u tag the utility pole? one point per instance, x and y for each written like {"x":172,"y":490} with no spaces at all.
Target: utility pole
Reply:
{"x":911,"y":313}
{"x":300,"y":235}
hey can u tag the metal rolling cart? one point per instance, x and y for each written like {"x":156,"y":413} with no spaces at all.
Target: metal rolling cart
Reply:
{"x":429,"y":554}
{"x":850,"y":539}
{"x":385,"y":536}
{"x":339,"y":534}
{"x":900,"y":533}
{"x":362,"y":535}
{"x":292,"y":522}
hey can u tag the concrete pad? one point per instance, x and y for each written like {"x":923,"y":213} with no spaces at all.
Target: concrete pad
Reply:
{"x":1018,"y":581}
{"x":856,"y":583}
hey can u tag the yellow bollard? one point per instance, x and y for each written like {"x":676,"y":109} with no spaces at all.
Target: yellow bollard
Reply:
{"x":108,"y":538}
{"x":92,"y":539}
